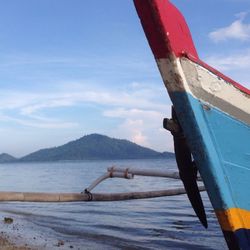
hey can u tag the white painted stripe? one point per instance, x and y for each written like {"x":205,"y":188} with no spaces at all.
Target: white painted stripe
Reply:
{"x":210,"y":88}
{"x":183,"y":75}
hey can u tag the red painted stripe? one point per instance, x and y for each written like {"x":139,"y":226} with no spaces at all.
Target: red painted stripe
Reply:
{"x":165,"y":28}
{"x":167,"y":33}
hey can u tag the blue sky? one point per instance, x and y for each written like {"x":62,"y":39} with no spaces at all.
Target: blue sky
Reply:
{"x":71,"y":68}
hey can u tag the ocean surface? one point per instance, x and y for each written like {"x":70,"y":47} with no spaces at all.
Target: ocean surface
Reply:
{"x":159,"y":223}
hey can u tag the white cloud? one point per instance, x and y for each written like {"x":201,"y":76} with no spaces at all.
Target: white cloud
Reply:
{"x":143,"y":127}
{"x":134,"y":113}
{"x":137,"y":124}
{"x":238,"y":30}
{"x":134,"y":130}
{"x":137,"y":109}
{"x":29,"y":103}
{"x":39,"y":122}
{"x":235,"y":66}
{"x":241,"y":15}
{"x":241,"y":60}
{"x":42,"y":66}
{"x":25,"y":59}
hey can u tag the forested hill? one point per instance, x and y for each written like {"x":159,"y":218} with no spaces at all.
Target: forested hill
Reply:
{"x":95,"y":147}
{"x":6,"y":158}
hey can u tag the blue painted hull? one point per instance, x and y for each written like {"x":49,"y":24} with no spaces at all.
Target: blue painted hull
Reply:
{"x":220,"y":145}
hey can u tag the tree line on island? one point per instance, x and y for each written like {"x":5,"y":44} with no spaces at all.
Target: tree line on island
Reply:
{"x":90,"y":147}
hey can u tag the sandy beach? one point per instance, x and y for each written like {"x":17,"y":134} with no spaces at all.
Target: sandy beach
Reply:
{"x":20,"y":235}
{"x":7,"y":244}
{"x":11,"y":236}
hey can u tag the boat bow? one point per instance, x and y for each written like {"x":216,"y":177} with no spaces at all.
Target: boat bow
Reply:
{"x":213,"y":112}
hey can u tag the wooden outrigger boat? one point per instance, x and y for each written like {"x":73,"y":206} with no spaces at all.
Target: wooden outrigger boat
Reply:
{"x":210,"y":123}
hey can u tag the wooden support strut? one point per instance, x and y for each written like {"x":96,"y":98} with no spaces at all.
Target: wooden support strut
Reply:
{"x":148,"y":172}
{"x":113,"y":172}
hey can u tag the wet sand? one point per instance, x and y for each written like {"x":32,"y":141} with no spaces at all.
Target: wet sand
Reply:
{"x":7,"y":241}
{"x":6,"y":244}
{"x":14,"y":236}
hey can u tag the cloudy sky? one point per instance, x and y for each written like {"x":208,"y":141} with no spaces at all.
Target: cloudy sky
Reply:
{"x":71,"y":68}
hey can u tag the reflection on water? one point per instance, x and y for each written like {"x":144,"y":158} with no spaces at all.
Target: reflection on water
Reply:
{"x":160,"y":223}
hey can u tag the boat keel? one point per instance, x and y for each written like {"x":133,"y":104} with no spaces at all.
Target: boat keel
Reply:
{"x":187,"y":168}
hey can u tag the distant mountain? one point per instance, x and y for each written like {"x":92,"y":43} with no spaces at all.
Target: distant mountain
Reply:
{"x":5,"y":158}
{"x":95,"y":147}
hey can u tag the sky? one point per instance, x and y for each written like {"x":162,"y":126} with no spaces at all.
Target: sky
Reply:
{"x":72,"y":68}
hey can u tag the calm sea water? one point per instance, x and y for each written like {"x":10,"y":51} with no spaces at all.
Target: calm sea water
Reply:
{"x":160,"y":223}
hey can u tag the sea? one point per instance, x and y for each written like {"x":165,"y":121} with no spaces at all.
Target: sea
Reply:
{"x":158,"y":223}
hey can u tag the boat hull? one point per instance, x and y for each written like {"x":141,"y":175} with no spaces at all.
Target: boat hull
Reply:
{"x":220,"y":147}
{"x":214,"y":113}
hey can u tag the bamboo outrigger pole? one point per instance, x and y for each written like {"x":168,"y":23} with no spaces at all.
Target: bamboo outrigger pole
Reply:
{"x":112,"y":172}
{"x":78,"y":197}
